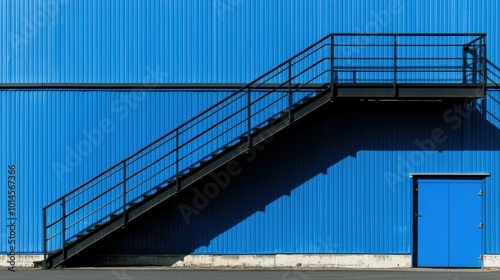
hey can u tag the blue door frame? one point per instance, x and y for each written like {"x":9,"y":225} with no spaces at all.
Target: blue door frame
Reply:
{"x":448,"y":212}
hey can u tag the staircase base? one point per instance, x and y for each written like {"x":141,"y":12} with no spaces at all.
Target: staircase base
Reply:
{"x":252,"y":261}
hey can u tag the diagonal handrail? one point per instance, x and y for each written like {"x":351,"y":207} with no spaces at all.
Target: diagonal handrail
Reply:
{"x":189,"y":121}
{"x":121,"y":166}
{"x":478,"y":35}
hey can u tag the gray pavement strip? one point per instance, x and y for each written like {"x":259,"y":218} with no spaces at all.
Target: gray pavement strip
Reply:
{"x":260,"y":274}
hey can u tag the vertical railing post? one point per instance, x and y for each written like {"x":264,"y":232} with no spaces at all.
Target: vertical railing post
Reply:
{"x":332,"y":66}
{"x":63,"y":233}
{"x":44,"y":221}
{"x":249,"y":118}
{"x":395,"y":65}
{"x":464,"y":66}
{"x":485,"y":68}
{"x":178,"y":185}
{"x":124,"y":192}
{"x":290,"y":99}
{"x":474,"y":66}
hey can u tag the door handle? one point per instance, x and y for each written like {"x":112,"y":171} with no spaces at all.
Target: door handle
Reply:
{"x":417,"y":215}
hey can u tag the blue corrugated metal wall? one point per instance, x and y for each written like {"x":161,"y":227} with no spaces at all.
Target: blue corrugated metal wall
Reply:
{"x":336,"y":183}
{"x":60,"y":139}
{"x":202,"y":41}
{"x":223,"y":41}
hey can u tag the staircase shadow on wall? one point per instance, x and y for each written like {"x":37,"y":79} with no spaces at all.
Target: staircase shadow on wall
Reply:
{"x":305,"y":150}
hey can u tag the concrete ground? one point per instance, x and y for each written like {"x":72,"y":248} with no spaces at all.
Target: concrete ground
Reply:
{"x":191,"y":274}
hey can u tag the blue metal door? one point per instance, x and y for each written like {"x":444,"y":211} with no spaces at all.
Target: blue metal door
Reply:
{"x":449,"y":223}
{"x":465,"y":224}
{"x":432,"y":224}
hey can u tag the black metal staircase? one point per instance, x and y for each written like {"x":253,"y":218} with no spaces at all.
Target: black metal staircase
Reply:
{"x":383,"y":66}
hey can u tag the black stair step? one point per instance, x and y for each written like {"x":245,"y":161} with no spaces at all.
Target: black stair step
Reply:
{"x":144,"y":196}
{"x":192,"y":168}
{"x":271,"y":121}
{"x":214,"y":154}
{"x":80,"y":235}
{"x":202,"y":162}
{"x":306,"y":98}
{"x":226,"y":147}
{"x":159,"y":188}
{"x":132,"y":203}
{"x":171,"y":181}
{"x":283,"y":114}
{"x":296,"y":105}
{"x":243,"y":138}
{"x":256,"y":129}
{"x":112,"y":216}
{"x":96,"y":226}
{"x":67,"y":243}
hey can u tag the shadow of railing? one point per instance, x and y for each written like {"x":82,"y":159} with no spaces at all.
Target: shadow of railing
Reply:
{"x":496,"y":74}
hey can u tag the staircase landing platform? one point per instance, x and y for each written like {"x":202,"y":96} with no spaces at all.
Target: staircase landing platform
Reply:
{"x":408,"y":91}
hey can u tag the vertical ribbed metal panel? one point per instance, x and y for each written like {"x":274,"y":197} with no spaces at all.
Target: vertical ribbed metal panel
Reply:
{"x":60,"y":139}
{"x":338,"y":183}
{"x":486,"y":156}
{"x":203,"y":41}
{"x":338,"y":198}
